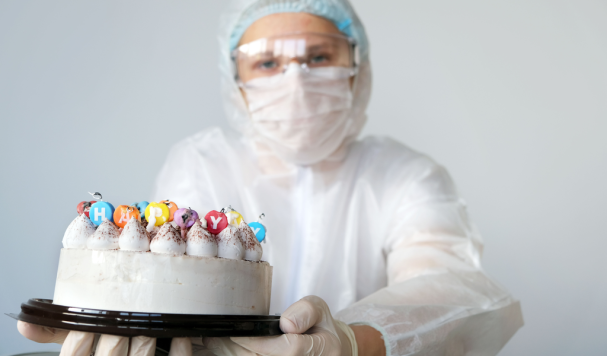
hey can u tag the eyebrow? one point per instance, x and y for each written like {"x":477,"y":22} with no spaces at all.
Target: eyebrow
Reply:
{"x":322,"y":45}
{"x":270,"y":53}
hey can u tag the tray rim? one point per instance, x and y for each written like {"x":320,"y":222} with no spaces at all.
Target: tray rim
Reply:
{"x":124,"y":323}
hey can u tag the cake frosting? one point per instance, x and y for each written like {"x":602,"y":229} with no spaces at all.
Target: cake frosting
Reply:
{"x":252,"y":247}
{"x":134,"y":237}
{"x":162,"y":259}
{"x":229,"y":244}
{"x":105,"y":237}
{"x":78,"y":232}
{"x":162,"y":283}
{"x":199,"y":242}
{"x":234,"y":240}
{"x":168,"y":241}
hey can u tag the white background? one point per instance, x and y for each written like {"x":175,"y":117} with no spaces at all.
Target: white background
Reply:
{"x":511,"y":96}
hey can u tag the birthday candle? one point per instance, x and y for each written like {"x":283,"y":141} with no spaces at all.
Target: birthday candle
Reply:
{"x":234,"y":217}
{"x":156,"y":214}
{"x":141,"y":206}
{"x":84,"y":207}
{"x":172,"y":208}
{"x":259,"y":229}
{"x":101,"y":210}
{"x":185,"y":218}
{"x":216,"y":221}
{"x":124,"y":213}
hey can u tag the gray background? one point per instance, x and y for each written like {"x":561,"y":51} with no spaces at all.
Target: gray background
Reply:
{"x":511,"y":96}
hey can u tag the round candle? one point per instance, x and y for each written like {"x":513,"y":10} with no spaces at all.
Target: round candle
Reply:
{"x":185,"y":217}
{"x":216,"y":221}
{"x":84,"y":207}
{"x":259,"y":230}
{"x":234,"y":217}
{"x":101,"y":210}
{"x":156,"y":214}
{"x":172,"y":208}
{"x":141,"y":206}
{"x":124,"y":213}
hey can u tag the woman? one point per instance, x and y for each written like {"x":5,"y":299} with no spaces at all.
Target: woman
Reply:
{"x":369,"y":229}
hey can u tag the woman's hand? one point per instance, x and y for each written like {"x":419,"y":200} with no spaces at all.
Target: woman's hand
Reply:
{"x":309,"y":330}
{"x":77,"y":343}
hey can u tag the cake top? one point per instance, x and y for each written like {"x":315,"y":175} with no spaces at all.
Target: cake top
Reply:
{"x":163,"y":227}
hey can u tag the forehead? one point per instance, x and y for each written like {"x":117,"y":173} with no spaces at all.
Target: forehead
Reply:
{"x":287,"y":23}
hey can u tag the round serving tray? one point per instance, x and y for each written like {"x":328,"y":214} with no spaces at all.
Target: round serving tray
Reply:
{"x":44,"y":312}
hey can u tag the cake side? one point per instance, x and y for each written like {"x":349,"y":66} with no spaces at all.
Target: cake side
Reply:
{"x":159,"y":283}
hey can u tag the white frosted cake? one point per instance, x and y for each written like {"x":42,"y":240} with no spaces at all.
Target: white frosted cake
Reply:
{"x":169,"y":261}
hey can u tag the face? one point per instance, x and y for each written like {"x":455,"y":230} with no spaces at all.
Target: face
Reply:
{"x":272,"y":42}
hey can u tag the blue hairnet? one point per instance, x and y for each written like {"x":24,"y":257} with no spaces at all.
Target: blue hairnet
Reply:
{"x":340,"y":12}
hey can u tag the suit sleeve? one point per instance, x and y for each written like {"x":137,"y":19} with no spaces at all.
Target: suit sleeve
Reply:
{"x":438,"y":300}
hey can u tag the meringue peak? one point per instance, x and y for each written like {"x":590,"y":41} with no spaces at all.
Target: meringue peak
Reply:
{"x":105,"y":237}
{"x":168,"y":241}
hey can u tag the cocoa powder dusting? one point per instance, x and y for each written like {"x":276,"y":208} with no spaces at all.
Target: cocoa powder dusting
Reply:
{"x":168,"y":232}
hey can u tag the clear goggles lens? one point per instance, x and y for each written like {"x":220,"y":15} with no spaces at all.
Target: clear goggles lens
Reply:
{"x":270,"y":56}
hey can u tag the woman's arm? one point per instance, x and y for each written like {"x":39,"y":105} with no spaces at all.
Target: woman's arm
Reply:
{"x":370,"y":341}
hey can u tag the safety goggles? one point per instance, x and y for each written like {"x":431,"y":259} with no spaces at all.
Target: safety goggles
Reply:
{"x":271,"y":56}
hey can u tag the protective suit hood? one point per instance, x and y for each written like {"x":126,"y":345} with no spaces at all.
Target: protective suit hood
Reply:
{"x":240,"y":14}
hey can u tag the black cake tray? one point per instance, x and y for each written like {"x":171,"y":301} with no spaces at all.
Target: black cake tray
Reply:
{"x":123,"y":323}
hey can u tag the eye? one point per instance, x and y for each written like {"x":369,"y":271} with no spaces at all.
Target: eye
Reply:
{"x":267,"y":65}
{"x":319,"y":59}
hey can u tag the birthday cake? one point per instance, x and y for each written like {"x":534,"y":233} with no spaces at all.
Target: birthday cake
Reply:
{"x":158,"y":258}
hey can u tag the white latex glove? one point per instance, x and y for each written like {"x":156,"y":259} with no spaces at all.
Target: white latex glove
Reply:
{"x":77,"y":343}
{"x":309,"y":329}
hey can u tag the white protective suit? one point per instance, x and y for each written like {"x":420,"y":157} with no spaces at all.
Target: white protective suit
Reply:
{"x":376,"y":229}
